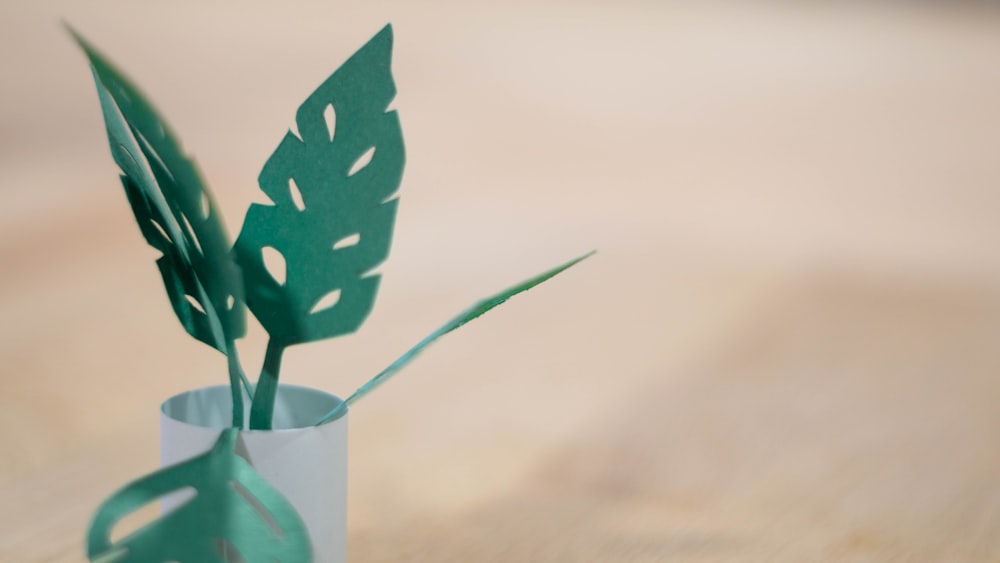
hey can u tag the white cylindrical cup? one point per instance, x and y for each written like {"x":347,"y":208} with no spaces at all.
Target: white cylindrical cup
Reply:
{"x":306,"y":463}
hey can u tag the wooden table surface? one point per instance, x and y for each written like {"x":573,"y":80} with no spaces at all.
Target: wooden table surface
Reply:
{"x":787,"y":348}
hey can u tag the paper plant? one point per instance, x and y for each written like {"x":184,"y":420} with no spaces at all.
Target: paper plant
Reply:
{"x":332,"y":189}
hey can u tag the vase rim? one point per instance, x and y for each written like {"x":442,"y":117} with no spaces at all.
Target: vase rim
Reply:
{"x":297,"y":408}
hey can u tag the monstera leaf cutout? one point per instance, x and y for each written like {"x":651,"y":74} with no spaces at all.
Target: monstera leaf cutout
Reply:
{"x":332,"y":216}
{"x":174,"y":210}
{"x":235,"y":515}
{"x":177,"y":216}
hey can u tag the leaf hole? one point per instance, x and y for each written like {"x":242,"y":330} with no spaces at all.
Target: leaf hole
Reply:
{"x":274,"y":262}
{"x":152,"y":152}
{"x":206,"y":205}
{"x":349,"y":240}
{"x":230,"y":302}
{"x":330,"y":117}
{"x":259,"y":508}
{"x":327,"y":302}
{"x":296,"y":194}
{"x":362,"y":161}
{"x":190,"y":233}
{"x":194,"y":304}
{"x":134,"y":522}
{"x":147,"y":514}
{"x":160,"y":228}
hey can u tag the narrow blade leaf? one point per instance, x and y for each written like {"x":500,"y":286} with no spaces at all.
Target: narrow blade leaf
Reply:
{"x":479,"y":308}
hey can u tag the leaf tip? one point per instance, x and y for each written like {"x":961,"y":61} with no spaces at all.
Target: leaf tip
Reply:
{"x":386,"y":30}
{"x":381,"y":40}
{"x":573,"y":262}
{"x":71,"y":31}
{"x":81,"y":42}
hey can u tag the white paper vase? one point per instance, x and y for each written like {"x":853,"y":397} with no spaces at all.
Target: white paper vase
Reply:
{"x":306,"y":463}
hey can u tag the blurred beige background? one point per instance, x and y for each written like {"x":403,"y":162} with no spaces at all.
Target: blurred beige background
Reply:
{"x":786,"y":348}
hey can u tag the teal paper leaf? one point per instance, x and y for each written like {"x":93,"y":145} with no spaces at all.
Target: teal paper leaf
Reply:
{"x":469,"y":314}
{"x":234,"y":512}
{"x":332,"y":186}
{"x":174,"y":209}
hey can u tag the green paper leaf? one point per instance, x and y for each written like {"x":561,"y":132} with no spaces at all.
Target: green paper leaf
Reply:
{"x":476,"y":310}
{"x":234,"y":508}
{"x":174,"y":209}
{"x":177,"y":216}
{"x":332,"y":215}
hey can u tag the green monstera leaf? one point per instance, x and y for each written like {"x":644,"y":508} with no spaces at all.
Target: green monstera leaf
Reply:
{"x":235,"y":515}
{"x":332,"y":186}
{"x":176,"y":215}
{"x":332,"y":216}
{"x":174,"y":209}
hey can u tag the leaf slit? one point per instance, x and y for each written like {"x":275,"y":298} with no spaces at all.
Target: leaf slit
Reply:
{"x":349,"y":240}
{"x":190,"y":233}
{"x":149,"y":150}
{"x":296,"y":195}
{"x":258,"y":507}
{"x":330,"y":117}
{"x":206,"y":205}
{"x":326,"y":302}
{"x":362,"y":161}
{"x":274,"y":263}
{"x":194,"y":303}
{"x":161,"y":230}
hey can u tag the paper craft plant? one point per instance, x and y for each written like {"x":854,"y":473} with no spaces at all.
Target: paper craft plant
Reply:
{"x":332,"y":189}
